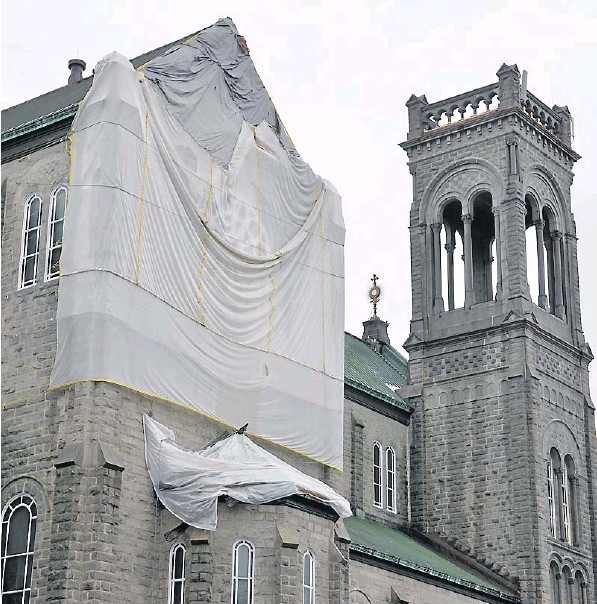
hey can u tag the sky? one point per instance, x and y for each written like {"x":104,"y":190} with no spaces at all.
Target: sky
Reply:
{"x":340,"y":74}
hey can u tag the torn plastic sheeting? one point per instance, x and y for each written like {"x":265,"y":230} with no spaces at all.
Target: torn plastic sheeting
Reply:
{"x":217,"y":280}
{"x":189,"y":483}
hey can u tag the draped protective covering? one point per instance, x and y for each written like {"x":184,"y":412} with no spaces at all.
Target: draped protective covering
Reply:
{"x":189,"y":483}
{"x":203,"y":258}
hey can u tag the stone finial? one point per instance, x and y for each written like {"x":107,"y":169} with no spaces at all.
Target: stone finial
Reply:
{"x":77,"y":67}
{"x":565,"y":131}
{"x":415,"y":106}
{"x":509,"y":86}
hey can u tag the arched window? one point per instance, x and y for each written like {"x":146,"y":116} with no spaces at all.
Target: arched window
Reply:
{"x":55,"y":228}
{"x":554,"y":578}
{"x":18,"y":540}
{"x":308,"y":578}
{"x":177,"y":574}
{"x":568,"y":586}
{"x":551,"y":500}
{"x":581,"y":587}
{"x":390,"y":479}
{"x":566,"y":508}
{"x":377,"y":475}
{"x":30,"y":242}
{"x":243,"y":562}
{"x":569,"y":490}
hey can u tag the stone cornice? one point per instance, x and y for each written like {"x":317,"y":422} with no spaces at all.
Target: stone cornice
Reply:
{"x":486,"y":119}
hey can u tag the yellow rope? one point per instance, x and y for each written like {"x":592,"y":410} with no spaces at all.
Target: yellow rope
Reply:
{"x":142,"y":203}
{"x":195,"y":410}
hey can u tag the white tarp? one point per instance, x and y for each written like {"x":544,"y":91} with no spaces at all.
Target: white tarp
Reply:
{"x":189,"y":483}
{"x":203,"y":258}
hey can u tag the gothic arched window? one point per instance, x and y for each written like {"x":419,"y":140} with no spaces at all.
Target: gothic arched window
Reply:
{"x":177,"y":574}
{"x":243,"y":562}
{"x":308,"y":578}
{"x":569,"y":499}
{"x":390,"y":479}
{"x":554,"y":578}
{"x":18,"y":541}
{"x":30,"y":242}
{"x":551,"y":500}
{"x":377,"y":475}
{"x":55,"y":231}
{"x":581,"y":587}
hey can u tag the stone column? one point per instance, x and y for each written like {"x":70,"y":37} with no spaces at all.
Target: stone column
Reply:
{"x":438,"y":301}
{"x":556,"y":238}
{"x":539,"y":225}
{"x":469,"y":292}
{"x":498,"y":253}
{"x":450,"y":253}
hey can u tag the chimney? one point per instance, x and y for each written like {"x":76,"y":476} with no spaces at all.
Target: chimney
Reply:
{"x":77,"y":67}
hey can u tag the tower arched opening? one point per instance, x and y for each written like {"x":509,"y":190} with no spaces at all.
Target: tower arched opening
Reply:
{"x":535,"y":251}
{"x":453,"y":251}
{"x":483,"y":240}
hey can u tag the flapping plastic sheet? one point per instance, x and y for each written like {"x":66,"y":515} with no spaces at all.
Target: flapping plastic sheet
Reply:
{"x":189,"y":483}
{"x":203,"y":258}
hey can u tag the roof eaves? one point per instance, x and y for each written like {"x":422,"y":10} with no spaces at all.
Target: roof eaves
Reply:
{"x":40,"y":122}
{"x":397,"y":402}
{"x":434,"y":573}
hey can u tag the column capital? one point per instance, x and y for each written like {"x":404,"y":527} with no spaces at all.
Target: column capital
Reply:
{"x":511,"y":140}
{"x":555,"y":235}
{"x":467,"y":218}
{"x":539,"y":223}
{"x":450,"y":247}
{"x":436,"y":227}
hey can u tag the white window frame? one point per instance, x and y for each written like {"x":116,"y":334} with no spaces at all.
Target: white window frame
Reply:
{"x":566,"y":517}
{"x":391,"y":480}
{"x":24,"y":238}
{"x":309,"y":589}
{"x":22,"y":500}
{"x":551,"y":500}
{"x":378,"y":467}
{"x":250,"y":578}
{"x":52,"y":222}
{"x":174,"y":580}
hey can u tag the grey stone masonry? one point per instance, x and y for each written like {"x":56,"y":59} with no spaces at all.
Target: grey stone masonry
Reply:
{"x":499,"y":374}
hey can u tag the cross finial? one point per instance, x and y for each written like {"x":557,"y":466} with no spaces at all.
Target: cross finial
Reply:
{"x":374,"y":293}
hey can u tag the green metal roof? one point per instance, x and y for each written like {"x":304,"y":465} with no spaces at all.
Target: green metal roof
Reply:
{"x":374,"y":370}
{"x":378,"y":540}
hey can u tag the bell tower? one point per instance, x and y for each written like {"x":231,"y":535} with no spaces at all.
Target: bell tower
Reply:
{"x":503,"y":437}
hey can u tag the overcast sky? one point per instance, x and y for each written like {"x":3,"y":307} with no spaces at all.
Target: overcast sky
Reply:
{"x":340,"y":74}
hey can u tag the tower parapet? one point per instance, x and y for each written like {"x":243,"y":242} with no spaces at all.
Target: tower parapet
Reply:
{"x":508,"y":92}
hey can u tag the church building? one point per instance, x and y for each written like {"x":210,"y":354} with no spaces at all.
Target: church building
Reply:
{"x":465,"y":474}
